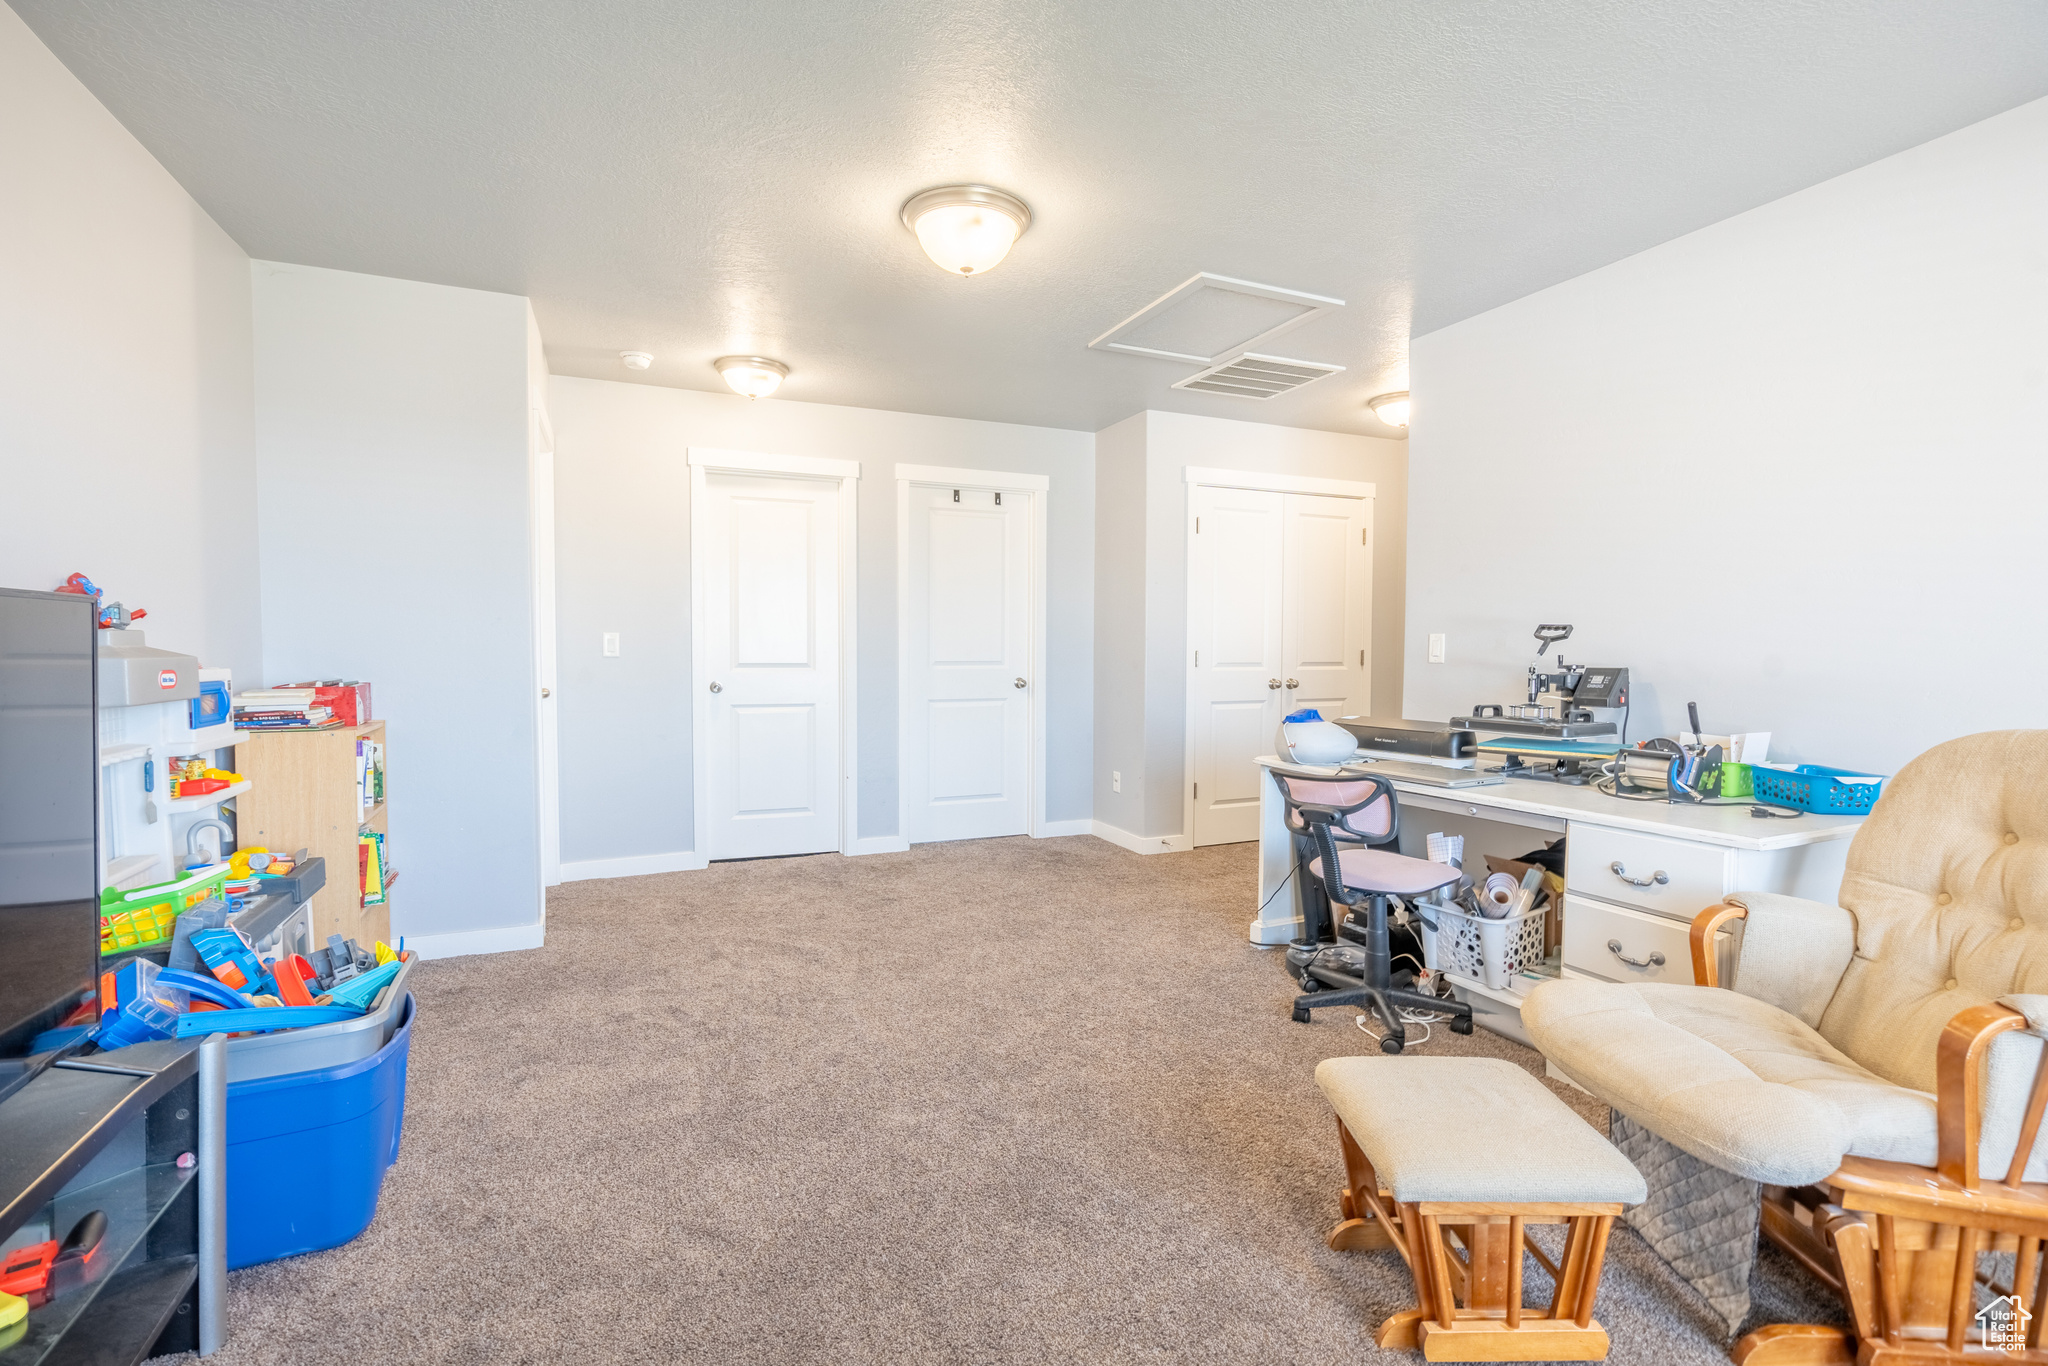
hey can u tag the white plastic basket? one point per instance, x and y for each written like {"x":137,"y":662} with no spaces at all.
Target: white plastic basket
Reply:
{"x":1483,"y":949}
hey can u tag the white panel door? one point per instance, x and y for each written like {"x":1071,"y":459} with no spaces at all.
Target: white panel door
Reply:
{"x":770,"y":563}
{"x":966,"y":750}
{"x":1328,"y":591}
{"x":1236,"y":634}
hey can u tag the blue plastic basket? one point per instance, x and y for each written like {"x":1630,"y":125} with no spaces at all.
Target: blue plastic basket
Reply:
{"x":1810,"y":787}
{"x":307,"y":1151}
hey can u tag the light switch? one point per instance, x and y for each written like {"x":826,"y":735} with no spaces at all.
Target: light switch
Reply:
{"x":1116,"y":781}
{"x":611,"y":642}
{"x":1436,"y":649}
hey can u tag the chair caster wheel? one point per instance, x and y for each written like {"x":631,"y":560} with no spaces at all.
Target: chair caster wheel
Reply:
{"x":1461,"y":1024}
{"x":1390,"y":1044}
{"x":1301,"y":1014}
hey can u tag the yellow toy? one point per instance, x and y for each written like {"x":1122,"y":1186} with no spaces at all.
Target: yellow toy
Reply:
{"x":13,"y":1309}
{"x":385,"y":954}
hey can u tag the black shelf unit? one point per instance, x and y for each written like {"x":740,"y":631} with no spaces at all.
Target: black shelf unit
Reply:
{"x":107,"y":1133}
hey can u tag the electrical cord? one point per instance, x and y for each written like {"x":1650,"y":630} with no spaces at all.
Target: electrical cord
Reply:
{"x":1421,"y":1019}
{"x":1277,"y":890}
{"x":1607,"y":787}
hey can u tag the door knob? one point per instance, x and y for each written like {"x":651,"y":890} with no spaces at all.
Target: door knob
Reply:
{"x":1273,"y":683}
{"x":716,"y":688}
{"x":546,"y":692}
{"x":1293,"y":683}
{"x":1018,"y":684}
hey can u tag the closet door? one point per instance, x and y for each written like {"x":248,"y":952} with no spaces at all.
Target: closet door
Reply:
{"x":769,"y":562}
{"x":1236,"y":635}
{"x":966,"y":755}
{"x":1327,"y":587}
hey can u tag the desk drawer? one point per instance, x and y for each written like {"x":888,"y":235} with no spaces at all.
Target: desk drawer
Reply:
{"x":1591,"y":926}
{"x":1678,"y":878}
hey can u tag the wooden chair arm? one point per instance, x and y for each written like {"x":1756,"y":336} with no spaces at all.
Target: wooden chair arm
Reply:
{"x":1706,"y":963}
{"x":1958,"y":1086}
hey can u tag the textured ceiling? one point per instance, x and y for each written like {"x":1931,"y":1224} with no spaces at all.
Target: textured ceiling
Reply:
{"x":693,"y":180}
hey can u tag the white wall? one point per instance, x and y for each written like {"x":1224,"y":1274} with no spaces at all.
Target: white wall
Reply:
{"x":392,"y":441}
{"x":1146,"y":693}
{"x":1120,"y":624}
{"x":623,"y":560}
{"x":1790,"y":466}
{"x":124,"y":371}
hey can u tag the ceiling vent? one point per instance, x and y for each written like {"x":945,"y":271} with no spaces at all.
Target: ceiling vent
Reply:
{"x":1211,"y":318}
{"x":1256,"y":376}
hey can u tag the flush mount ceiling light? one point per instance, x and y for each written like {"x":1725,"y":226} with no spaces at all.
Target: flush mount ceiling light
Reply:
{"x":1391,"y":409}
{"x":751,"y":376}
{"x":636,"y":360}
{"x":966,"y":229}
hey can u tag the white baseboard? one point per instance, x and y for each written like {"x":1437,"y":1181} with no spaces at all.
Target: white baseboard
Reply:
{"x":878,"y":844}
{"x":1141,"y":844}
{"x":504,"y":939}
{"x":1055,"y":829}
{"x":639,"y":865}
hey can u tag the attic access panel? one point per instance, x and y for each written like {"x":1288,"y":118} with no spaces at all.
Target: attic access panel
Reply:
{"x":1255,"y":376}
{"x":1207,"y":318}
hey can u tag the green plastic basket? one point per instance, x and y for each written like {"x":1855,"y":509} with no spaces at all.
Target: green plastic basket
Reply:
{"x":1736,"y":780}
{"x":146,"y":917}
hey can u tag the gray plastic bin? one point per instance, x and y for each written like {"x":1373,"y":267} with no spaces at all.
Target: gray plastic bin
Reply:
{"x":319,"y":1047}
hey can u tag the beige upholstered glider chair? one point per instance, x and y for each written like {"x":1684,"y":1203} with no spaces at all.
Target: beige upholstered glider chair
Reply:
{"x":1877,"y":1066}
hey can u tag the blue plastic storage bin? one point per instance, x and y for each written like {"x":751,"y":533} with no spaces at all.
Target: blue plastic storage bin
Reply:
{"x":307,"y":1151}
{"x":1815,"y":788}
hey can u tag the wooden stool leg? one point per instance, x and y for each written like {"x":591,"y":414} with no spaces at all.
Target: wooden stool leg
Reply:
{"x":1514,"y":1271}
{"x":1567,"y":1279}
{"x":1589,"y":1279}
{"x":1440,"y":1271}
{"x":1361,"y":1230}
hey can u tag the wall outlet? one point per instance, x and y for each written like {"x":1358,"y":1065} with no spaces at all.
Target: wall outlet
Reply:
{"x":1436,"y":649}
{"x":611,"y":643}
{"x":1116,"y":781}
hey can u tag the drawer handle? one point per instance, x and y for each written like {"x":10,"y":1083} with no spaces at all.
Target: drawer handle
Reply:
{"x":1655,"y":960}
{"x":1659,"y":877}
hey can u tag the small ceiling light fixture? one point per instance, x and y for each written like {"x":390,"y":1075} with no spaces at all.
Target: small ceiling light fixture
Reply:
{"x":751,"y":376}
{"x":1391,"y":409}
{"x":636,"y":360}
{"x":966,"y":229}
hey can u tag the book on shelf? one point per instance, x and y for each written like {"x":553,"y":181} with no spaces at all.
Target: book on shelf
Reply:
{"x":371,"y":869}
{"x":369,"y":776}
{"x":317,"y":718}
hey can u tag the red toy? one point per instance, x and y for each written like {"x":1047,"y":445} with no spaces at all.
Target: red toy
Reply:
{"x":290,"y":976}
{"x":26,"y":1271}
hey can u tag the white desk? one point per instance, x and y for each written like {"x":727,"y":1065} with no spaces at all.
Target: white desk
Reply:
{"x":1674,"y":861}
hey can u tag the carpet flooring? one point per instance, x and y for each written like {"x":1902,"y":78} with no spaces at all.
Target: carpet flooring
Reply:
{"x":1002,"y":1101}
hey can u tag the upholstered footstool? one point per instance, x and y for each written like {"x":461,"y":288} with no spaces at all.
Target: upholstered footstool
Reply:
{"x":1448,"y":1161}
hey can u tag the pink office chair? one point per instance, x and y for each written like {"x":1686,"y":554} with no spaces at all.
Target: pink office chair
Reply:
{"x":1336,"y":824}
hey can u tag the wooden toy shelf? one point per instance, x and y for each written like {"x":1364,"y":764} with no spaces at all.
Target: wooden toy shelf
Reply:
{"x":305,"y":797}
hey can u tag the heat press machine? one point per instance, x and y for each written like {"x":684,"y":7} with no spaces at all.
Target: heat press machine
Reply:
{"x":1556,"y":734}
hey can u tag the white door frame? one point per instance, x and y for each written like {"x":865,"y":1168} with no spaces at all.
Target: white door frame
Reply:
{"x":543,"y":534}
{"x":1262,"y":482}
{"x":705,"y":461}
{"x":1033,"y":486}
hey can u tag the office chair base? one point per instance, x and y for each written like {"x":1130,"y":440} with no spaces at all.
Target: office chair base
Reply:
{"x":1386,"y":1003}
